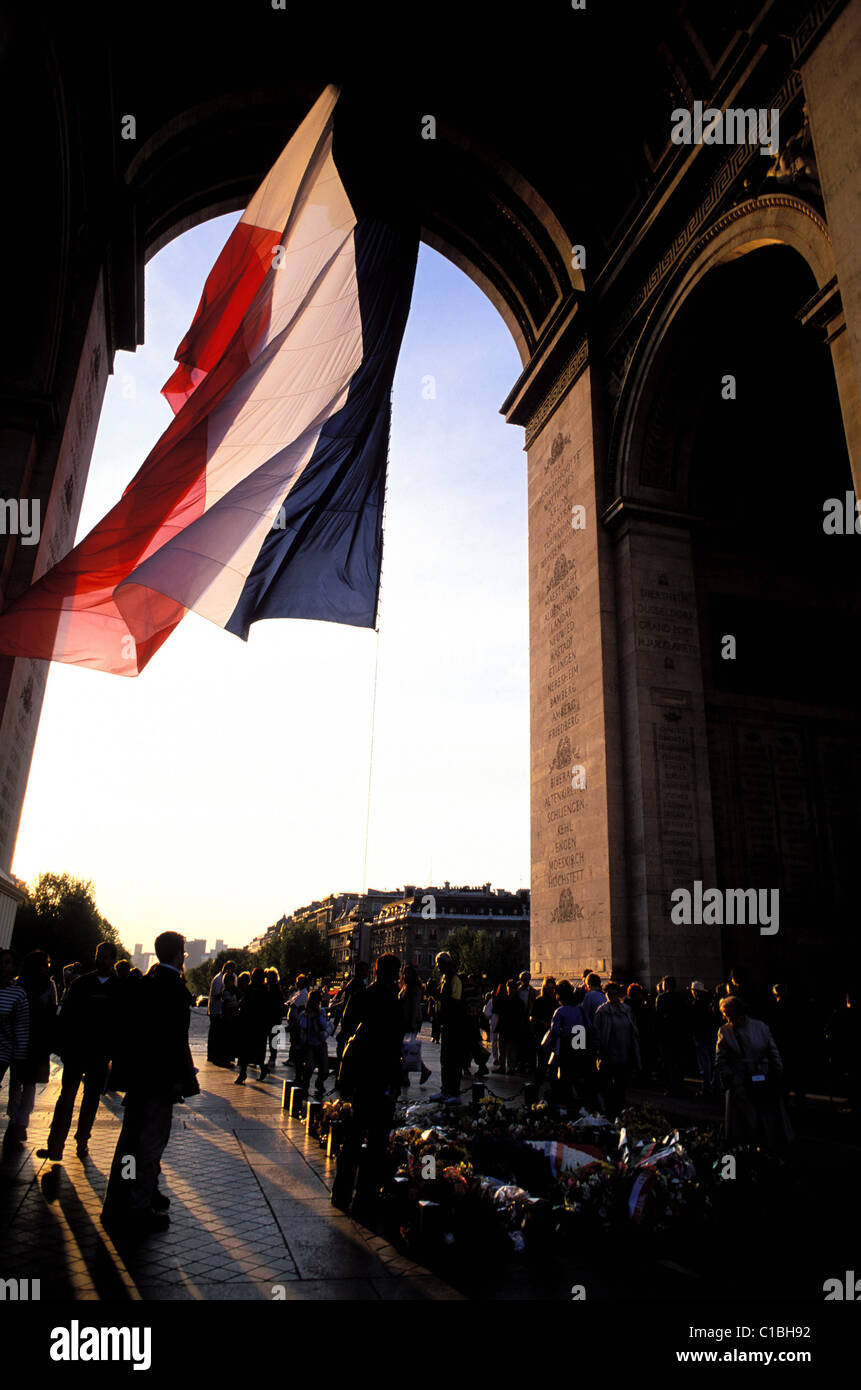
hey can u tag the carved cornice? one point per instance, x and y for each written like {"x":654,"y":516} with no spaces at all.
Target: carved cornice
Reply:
{"x":535,"y":420}
{"x":745,"y":209}
{"x":824,"y":312}
{"x":575,"y":365}
{"x":625,"y":509}
{"x":818,"y":18}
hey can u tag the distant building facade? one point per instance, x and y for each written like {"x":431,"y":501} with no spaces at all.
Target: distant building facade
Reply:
{"x":349,"y":931}
{"x":142,"y":959}
{"x":194,"y":953}
{"x":414,"y":923}
{"x":418,"y":923}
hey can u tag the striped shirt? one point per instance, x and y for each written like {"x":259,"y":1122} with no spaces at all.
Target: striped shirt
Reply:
{"x":14,"y":1024}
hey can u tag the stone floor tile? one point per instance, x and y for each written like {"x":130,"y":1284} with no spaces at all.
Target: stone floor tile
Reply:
{"x":330,"y":1254}
{"x":250,"y":1207}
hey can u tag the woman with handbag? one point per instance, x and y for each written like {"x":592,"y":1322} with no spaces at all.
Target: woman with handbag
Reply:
{"x":751,"y":1072}
{"x":410,"y":997}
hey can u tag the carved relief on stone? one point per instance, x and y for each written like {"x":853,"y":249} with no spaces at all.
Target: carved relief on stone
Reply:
{"x":556,"y":449}
{"x":566,"y":909}
{"x":564,"y":756}
{"x":561,"y":570}
{"x":794,"y":166}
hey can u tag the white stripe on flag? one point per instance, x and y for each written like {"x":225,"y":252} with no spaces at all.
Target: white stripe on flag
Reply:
{"x":261,"y":436}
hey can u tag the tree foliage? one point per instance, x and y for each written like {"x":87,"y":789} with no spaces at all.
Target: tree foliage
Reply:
{"x":298,"y":949}
{"x":60,"y":915}
{"x":481,"y":953}
{"x":200,"y":977}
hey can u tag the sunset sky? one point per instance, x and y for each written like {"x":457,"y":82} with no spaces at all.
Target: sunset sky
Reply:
{"x":229,"y":782}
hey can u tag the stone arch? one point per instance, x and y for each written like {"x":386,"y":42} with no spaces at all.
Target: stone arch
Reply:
{"x":697,"y":732}
{"x":472,"y":207}
{"x":774,"y":220}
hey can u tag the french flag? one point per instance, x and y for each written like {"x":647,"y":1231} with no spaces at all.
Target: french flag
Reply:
{"x":264,"y":496}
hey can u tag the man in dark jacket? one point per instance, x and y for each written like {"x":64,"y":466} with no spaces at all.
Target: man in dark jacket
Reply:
{"x":370,"y":1077}
{"x":255,"y":1011}
{"x":672,"y":1025}
{"x":448,"y":1025}
{"x":87,"y":1025}
{"x":158,"y":1073}
{"x":351,"y":1006}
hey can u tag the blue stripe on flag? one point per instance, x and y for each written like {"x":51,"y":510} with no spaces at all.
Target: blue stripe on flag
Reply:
{"x":325,"y":561}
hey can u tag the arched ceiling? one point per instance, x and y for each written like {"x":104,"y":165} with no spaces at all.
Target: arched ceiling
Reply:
{"x":552,"y":131}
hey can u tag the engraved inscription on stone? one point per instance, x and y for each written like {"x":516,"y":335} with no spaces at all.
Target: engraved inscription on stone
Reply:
{"x":775,"y":807}
{"x":677,"y":799}
{"x":557,"y":591}
{"x":666,"y":620}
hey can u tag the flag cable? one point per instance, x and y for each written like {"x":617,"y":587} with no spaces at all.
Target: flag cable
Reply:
{"x":377,"y":655}
{"x":371,"y":762}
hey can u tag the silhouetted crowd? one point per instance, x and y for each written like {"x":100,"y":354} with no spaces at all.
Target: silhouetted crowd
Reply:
{"x":115,"y":1030}
{"x":588,"y":1039}
{"x":583,"y":1042}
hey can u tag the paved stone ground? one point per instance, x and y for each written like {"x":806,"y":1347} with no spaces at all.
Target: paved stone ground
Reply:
{"x":249,"y":1208}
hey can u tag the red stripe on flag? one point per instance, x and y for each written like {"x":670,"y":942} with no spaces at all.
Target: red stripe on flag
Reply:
{"x":71,"y":613}
{"x":237,"y":275}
